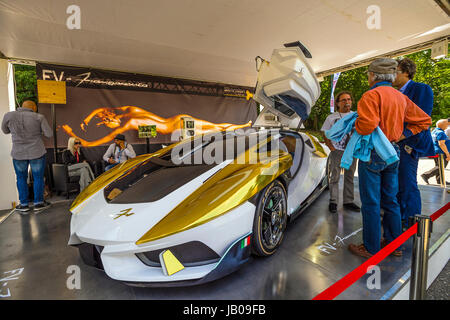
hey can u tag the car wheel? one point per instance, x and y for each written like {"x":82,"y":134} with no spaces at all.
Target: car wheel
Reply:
{"x":270,"y":219}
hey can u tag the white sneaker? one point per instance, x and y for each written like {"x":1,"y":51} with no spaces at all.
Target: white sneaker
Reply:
{"x":41,"y":206}
{"x":23,"y":209}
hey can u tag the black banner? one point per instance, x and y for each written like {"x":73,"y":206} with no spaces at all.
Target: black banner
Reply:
{"x":102,"y":104}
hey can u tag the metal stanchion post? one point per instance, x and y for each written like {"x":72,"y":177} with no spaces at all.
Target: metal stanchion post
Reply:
{"x":442,"y":170}
{"x":419,"y":262}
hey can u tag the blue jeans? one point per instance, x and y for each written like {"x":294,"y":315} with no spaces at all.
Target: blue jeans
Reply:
{"x":37,"y":168}
{"x":110,"y":166}
{"x":408,"y":193}
{"x":378,"y":188}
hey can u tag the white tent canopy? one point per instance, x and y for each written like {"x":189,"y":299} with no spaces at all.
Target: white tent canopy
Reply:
{"x":213,"y":40}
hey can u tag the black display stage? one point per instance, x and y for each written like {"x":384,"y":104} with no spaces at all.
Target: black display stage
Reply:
{"x":37,"y":263}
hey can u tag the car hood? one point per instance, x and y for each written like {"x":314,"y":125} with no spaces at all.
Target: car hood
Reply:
{"x":171,"y":206}
{"x":101,"y":221}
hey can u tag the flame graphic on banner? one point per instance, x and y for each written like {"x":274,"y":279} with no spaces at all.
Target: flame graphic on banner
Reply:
{"x":129,"y":118}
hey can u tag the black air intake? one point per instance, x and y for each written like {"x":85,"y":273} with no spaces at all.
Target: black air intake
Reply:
{"x":190,"y":254}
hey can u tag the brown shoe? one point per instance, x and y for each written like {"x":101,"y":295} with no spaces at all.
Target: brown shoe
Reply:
{"x":396,"y":253}
{"x":359,"y":250}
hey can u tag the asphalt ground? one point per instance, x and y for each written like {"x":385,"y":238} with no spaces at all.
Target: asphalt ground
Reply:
{"x":440,"y":288}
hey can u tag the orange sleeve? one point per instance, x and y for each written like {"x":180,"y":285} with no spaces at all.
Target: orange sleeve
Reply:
{"x":368,"y":113}
{"x":417,"y":120}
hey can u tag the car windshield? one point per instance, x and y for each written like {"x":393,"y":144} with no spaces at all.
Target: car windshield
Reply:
{"x":157,"y":176}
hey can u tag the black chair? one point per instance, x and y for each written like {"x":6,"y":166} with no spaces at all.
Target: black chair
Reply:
{"x":98,"y":167}
{"x":62,"y":182}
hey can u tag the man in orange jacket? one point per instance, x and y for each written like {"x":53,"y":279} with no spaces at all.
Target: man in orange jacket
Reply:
{"x":385,"y":107}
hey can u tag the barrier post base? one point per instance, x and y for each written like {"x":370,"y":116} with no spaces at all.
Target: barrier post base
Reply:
{"x":419,"y":261}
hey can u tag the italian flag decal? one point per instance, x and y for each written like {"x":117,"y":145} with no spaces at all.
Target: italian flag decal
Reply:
{"x":245,"y":242}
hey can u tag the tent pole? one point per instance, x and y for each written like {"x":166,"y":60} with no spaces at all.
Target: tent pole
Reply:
{"x":55,"y":141}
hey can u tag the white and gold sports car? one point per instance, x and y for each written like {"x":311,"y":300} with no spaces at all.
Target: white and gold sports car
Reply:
{"x":196,"y":210}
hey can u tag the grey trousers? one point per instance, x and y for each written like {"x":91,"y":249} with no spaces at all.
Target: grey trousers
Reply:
{"x":335,"y":174}
{"x":83,"y":170}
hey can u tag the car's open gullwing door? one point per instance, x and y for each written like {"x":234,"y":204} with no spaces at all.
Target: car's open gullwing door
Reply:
{"x":287,"y":87}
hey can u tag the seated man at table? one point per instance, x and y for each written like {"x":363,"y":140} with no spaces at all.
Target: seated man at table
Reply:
{"x":118,"y":152}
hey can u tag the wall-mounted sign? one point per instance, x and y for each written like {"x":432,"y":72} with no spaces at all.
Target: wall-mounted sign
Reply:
{"x":147,"y":131}
{"x":50,"y":91}
{"x":187,"y":127}
{"x":235,"y":92}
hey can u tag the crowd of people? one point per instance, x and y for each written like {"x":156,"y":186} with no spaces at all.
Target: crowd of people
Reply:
{"x":27,"y":128}
{"x":396,"y":113}
{"x":392,"y":119}
{"x":441,"y":144}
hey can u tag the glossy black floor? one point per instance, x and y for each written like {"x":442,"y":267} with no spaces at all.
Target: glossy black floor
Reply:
{"x":35,"y":260}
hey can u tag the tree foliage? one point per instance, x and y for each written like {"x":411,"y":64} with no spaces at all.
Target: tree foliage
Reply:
{"x":435,"y":73}
{"x":354,"y":81}
{"x":26,"y":83}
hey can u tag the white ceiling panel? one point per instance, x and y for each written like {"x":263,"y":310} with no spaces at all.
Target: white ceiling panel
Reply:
{"x":212,"y":40}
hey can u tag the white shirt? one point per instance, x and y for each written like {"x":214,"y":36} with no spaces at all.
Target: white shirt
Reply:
{"x":119,"y":155}
{"x":329,"y":122}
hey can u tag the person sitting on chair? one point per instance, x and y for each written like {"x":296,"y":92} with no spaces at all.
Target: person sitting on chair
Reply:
{"x":118,"y":152}
{"x":77,"y":165}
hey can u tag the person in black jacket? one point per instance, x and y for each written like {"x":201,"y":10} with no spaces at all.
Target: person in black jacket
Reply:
{"x":78,"y":166}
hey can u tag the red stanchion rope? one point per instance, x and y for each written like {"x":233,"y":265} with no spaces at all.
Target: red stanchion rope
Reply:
{"x":338,"y":287}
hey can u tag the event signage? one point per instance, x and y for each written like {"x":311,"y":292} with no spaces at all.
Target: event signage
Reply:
{"x":104,"y":79}
{"x":102,"y":104}
{"x":51,"y":91}
{"x":235,"y":92}
{"x":147,"y":131}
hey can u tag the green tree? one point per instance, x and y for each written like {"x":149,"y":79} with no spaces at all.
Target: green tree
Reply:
{"x":435,"y":73}
{"x":354,"y":81}
{"x":26,"y":83}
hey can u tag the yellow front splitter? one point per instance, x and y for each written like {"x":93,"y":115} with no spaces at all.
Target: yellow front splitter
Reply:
{"x":170,"y":264}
